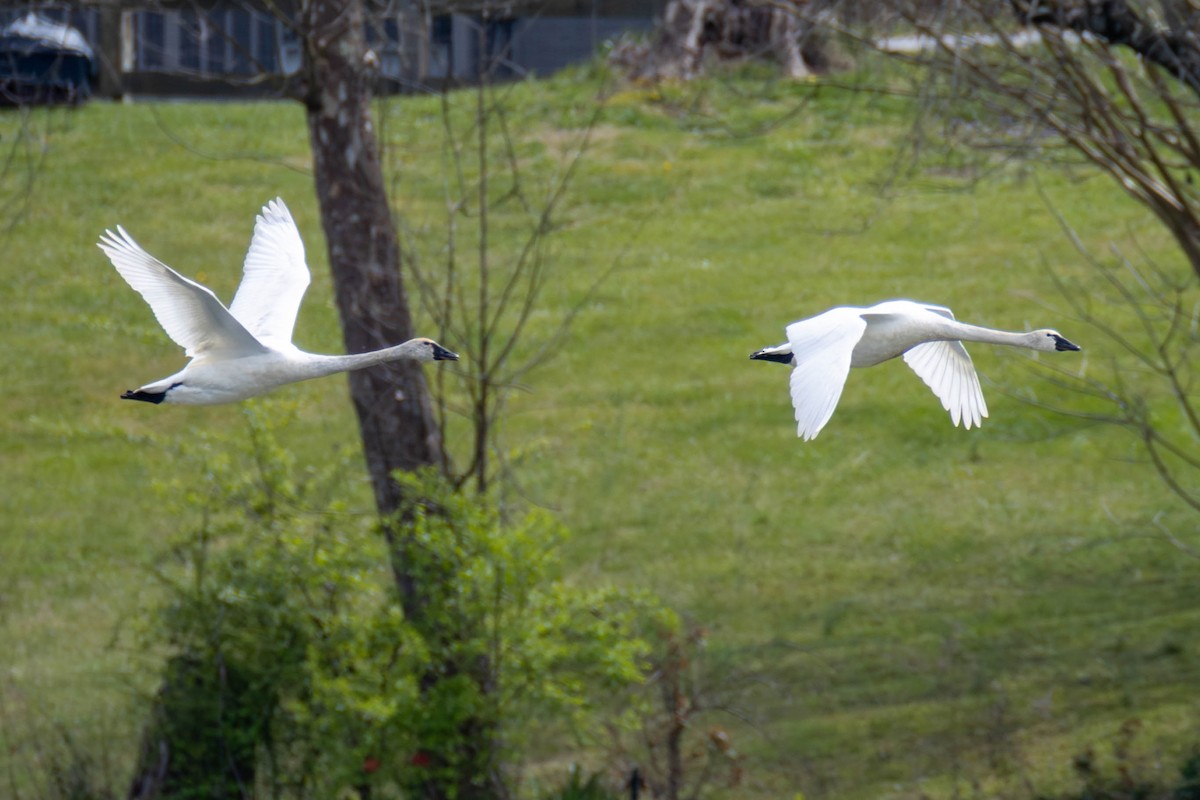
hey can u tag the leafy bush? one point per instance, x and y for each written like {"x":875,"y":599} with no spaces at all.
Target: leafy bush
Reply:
{"x":294,"y":668}
{"x":579,"y":788}
{"x":1131,"y":776}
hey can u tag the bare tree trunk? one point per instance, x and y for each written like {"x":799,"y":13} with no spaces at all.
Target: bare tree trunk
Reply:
{"x":694,"y":33}
{"x":785,"y":33}
{"x":395,"y":416}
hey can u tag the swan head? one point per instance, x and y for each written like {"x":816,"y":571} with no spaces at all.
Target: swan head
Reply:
{"x":429,"y":350}
{"x":1046,"y":339}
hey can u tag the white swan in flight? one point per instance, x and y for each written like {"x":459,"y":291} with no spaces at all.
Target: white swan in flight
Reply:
{"x":824,"y":348}
{"x":246,"y":349}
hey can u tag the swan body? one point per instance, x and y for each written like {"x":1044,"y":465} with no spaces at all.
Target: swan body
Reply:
{"x":246,"y":349}
{"x":822,"y":349}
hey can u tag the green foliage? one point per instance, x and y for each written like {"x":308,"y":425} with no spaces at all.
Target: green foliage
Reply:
{"x":74,"y":773}
{"x":208,"y":719}
{"x":293,"y":654}
{"x":1130,"y":773}
{"x":579,"y":788}
{"x":1189,"y":778}
{"x":680,"y":745}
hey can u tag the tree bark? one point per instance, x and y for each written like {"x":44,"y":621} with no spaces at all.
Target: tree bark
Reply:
{"x":694,"y":33}
{"x":395,"y":415}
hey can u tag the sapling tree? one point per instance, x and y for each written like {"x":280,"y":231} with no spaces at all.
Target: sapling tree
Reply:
{"x":493,"y":261}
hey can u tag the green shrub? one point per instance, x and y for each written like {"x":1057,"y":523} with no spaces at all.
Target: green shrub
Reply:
{"x":1131,"y":775}
{"x":293,"y":667}
{"x":579,"y":788}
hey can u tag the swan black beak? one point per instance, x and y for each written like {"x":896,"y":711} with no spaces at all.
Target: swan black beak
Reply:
{"x":442,"y":354}
{"x":1062,"y":344}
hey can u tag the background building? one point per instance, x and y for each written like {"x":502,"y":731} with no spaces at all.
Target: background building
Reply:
{"x":240,"y":47}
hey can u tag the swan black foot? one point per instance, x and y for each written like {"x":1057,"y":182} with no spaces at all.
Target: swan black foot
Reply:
{"x":145,"y":397}
{"x":768,"y":355}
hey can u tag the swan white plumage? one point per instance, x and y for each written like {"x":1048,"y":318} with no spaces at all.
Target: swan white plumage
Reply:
{"x":246,"y":349}
{"x":822,"y":349}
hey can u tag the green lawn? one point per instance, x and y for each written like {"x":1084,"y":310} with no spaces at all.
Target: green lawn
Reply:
{"x":899,"y":606}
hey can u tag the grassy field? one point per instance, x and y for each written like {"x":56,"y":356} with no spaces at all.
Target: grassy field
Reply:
{"x":897,"y":607}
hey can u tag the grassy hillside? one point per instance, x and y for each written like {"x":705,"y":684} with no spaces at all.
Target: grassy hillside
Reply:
{"x":898,"y":606}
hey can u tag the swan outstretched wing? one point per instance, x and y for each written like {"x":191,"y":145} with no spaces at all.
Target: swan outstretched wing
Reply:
{"x":190,"y":313}
{"x":274,"y":277}
{"x":946,"y":368}
{"x":821,"y":348}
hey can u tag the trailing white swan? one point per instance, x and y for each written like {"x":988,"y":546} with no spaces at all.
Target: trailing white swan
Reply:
{"x":822,"y":349}
{"x":246,"y":349}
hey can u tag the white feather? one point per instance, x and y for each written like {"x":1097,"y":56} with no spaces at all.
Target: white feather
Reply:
{"x":274,"y":277}
{"x":190,"y":313}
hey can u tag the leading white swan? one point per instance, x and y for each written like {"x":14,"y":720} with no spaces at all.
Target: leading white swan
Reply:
{"x":246,"y":349}
{"x":822,"y":349}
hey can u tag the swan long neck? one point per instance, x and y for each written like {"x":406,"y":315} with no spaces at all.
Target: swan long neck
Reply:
{"x":973,"y":333}
{"x":321,"y":365}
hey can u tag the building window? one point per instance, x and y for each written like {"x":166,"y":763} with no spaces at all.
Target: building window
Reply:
{"x":214,"y":42}
{"x":188,"y":29}
{"x":498,"y":42}
{"x":150,"y":40}
{"x":441,"y":46}
{"x":241,"y":43}
{"x":264,"y":43}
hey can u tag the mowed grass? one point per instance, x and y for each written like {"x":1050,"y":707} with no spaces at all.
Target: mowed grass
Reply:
{"x":898,"y":606}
